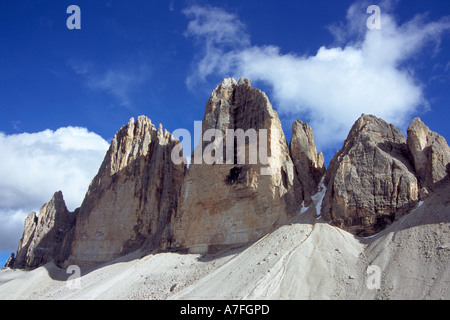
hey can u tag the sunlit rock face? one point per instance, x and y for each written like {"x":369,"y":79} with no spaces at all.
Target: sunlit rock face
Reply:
{"x":234,"y":199}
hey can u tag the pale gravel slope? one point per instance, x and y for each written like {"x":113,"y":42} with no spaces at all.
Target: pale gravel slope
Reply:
{"x":306,"y":259}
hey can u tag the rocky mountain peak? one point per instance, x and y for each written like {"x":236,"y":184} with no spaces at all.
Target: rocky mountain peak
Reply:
{"x":376,"y":128}
{"x":135,"y":191}
{"x":228,"y":201}
{"x":130,"y":142}
{"x":430,"y":155}
{"x":370,"y":181}
{"x":308,"y":164}
{"x":45,"y":236}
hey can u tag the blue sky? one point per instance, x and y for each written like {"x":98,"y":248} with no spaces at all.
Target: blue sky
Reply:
{"x":64,"y":93}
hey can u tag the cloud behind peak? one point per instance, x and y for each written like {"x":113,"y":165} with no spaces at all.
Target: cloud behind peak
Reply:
{"x":370,"y":71}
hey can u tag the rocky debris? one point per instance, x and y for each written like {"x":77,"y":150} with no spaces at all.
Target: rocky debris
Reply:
{"x":430,"y":154}
{"x":370,"y":181}
{"x":45,"y":236}
{"x":308,"y":164}
{"x":230,"y":201}
{"x":131,"y":200}
{"x":408,"y":254}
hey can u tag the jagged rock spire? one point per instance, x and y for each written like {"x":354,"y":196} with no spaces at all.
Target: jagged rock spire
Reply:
{"x":370,"y":181}
{"x":130,"y":202}
{"x":430,"y":154}
{"x":229,"y":203}
{"x":45,"y":237}
{"x":308,"y":164}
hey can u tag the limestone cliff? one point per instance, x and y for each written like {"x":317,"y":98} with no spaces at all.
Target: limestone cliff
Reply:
{"x":45,"y":236}
{"x":370,"y":181}
{"x":235,"y":200}
{"x":309,"y":165}
{"x":131,"y":201}
{"x":430,"y":154}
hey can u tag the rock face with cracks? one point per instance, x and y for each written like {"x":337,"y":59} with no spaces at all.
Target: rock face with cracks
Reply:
{"x":45,"y":237}
{"x":132,"y":199}
{"x":430,"y":154}
{"x":370,"y":181}
{"x":235,"y":198}
{"x":308,"y":164}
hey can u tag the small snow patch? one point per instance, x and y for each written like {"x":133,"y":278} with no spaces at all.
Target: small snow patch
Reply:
{"x":372,"y":236}
{"x":303,"y":209}
{"x":318,"y":197}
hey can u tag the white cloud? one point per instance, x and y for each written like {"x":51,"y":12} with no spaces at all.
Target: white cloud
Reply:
{"x":216,"y":25}
{"x":219,"y":31}
{"x":34,"y":166}
{"x":366,"y":73}
{"x":11,"y":229}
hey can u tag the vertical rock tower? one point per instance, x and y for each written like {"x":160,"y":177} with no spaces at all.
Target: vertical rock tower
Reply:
{"x":45,"y":237}
{"x":430,"y":155}
{"x":370,"y":181}
{"x":231,"y":202}
{"x":133,"y":197}
{"x":309,"y":165}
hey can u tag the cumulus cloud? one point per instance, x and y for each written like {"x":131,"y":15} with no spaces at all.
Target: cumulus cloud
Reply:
{"x":365,"y":71}
{"x":11,"y":228}
{"x":34,"y":166}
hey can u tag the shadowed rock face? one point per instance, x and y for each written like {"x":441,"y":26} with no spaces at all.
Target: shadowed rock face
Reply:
{"x":131,"y":201}
{"x":430,"y":154}
{"x":45,"y":237}
{"x":309,"y":165}
{"x":370,"y":181}
{"x":228,"y":202}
